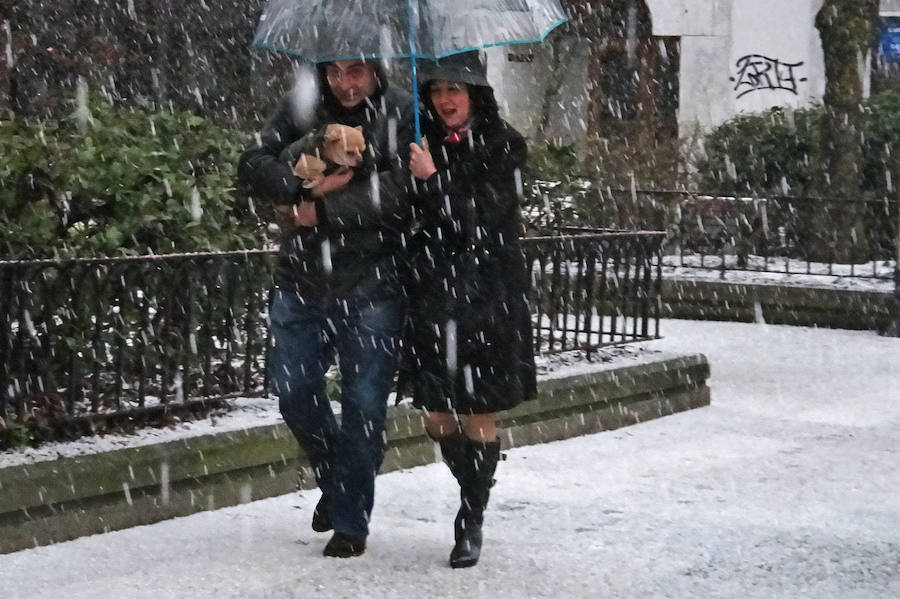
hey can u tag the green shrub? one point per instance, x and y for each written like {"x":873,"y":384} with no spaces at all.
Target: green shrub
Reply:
{"x":775,"y":152}
{"x":780,"y":152}
{"x":553,"y":186}
{"x":13,"y":433}
{"x":783,"y":153}
{"x":593,"y":187}
{"x":559,"y":192}
{"x":882,"y":164}
{"x":123,"y":181}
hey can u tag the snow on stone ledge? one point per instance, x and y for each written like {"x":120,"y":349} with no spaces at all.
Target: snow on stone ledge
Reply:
{"x":248,"y":413}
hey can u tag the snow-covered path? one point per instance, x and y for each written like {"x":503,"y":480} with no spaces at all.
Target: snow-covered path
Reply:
{"x":787,"y":486}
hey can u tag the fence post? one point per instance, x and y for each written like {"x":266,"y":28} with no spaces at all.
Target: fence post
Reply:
{"x":893,"y":329}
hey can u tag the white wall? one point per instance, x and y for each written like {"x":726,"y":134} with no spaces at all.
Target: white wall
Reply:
{"x":705,"y":30}
{"x":776,"y":54}
{"x":705,"y":94}
{"x":715,"y":36}
{"x":690,"y":17}
{"x":520,"y":87}
{"x":743,"y":56}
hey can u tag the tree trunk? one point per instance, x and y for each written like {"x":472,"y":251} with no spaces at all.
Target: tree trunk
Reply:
{"x":632,"y":131}
{"x":6,"y":57}
{"x":848,"y":31}
{"x":621,"y":65}
{"x":561,"y":46}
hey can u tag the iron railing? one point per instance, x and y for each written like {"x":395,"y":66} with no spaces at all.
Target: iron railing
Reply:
{"x":784,"y":234}
{"x":88,"y":343}
{"x":595,"y":289}
{"x":94,"y":344}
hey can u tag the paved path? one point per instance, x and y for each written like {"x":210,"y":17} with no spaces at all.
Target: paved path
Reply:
{"x":787,"y":486}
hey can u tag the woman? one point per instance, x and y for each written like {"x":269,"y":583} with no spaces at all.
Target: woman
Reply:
{"x":468,"y":346}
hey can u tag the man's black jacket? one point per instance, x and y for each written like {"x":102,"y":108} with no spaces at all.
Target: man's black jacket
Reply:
{"x":358,"y":248}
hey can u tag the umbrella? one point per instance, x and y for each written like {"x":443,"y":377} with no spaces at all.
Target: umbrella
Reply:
{"x":324,"y":31}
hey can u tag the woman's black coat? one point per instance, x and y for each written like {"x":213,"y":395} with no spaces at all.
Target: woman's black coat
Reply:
{"x":468,"y":345}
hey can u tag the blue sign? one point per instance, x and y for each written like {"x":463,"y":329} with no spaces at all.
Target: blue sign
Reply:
{"x":890,"y":39}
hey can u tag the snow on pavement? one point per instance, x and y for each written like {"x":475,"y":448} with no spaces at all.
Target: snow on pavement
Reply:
{"x":786,"y":487}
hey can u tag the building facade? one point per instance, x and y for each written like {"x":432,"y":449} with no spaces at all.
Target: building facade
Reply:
{"x":728,"y":56}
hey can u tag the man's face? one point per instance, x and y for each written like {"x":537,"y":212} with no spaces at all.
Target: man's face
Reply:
{"x":351,"y":81}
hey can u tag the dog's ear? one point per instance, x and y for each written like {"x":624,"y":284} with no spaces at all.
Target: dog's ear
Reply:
{"x":359,"y":140}
{"x":333,"y":132}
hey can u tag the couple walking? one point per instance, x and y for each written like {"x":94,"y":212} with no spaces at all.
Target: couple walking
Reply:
{"x":410,"y":260}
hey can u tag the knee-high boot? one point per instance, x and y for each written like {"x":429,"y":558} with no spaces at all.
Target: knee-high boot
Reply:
{"x":473,"y":464}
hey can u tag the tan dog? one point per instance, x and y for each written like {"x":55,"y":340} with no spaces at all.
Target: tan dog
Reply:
{"x":342,"y":146}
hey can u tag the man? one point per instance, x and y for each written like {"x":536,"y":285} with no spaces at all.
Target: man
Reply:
{"x":338,"y":283}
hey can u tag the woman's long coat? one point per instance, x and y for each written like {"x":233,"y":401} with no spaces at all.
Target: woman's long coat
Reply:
{"x":468,"y":346}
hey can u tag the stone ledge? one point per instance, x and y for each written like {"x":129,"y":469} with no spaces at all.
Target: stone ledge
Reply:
{"x":63,"y":499}
{"x":776,"y":304}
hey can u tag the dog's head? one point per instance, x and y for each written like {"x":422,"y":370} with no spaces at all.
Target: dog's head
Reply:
{"x":343,"y":145}
{"x":310,"y":169}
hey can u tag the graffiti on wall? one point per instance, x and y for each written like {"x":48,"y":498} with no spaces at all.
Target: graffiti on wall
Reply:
{"x":760,"y":73}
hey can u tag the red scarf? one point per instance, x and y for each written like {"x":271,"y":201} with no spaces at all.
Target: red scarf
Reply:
{"x":456,"y":135}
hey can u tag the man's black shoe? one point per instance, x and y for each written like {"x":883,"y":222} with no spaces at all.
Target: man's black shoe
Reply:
{"x":342,"y":545}
{"x":321,"y":520}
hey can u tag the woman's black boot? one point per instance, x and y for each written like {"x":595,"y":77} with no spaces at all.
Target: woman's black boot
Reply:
{"x":473,"y":464}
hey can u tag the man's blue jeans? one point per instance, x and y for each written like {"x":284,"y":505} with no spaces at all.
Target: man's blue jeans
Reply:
{"x":365,"y":333}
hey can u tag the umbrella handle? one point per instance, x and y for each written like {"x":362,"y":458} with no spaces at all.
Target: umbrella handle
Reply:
{"x":415,"y":83}
{"x":415,"y":77}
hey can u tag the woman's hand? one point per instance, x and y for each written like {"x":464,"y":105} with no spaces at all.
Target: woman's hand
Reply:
{"x":332,"y":182}
{"x":420,"y":162}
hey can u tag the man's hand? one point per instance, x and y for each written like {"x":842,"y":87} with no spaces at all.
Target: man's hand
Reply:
{"x":305,"y":214}
{"x":421,"y":164}
{"x":296,"y":215}
{"x":333,"y":182}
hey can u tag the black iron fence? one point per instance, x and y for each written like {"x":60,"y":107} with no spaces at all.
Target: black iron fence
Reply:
{"x":595,"y":289}
{"x":88,"y":345}
{"x":792,"y":235}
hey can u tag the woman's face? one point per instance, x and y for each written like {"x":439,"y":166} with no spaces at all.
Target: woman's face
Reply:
{"x":451,"y":101}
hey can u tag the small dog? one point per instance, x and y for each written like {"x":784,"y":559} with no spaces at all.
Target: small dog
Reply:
{"x":341,"y":146}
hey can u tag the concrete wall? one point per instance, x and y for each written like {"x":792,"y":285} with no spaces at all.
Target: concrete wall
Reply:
{"x":62,"y":499}
{"x":521,"y":86}
{"x":704,"y":29}
{"x":742,"y":56}
{"x":782,"y":43}
{"x":777,"y":304}
{"x":785,"y":65}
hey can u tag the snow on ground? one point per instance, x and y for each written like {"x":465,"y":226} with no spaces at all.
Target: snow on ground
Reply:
{"x":785,"y":487}
{"x":249,"y":412}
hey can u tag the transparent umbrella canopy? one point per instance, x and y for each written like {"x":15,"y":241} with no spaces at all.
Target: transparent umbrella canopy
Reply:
{"x":324,"y":31}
